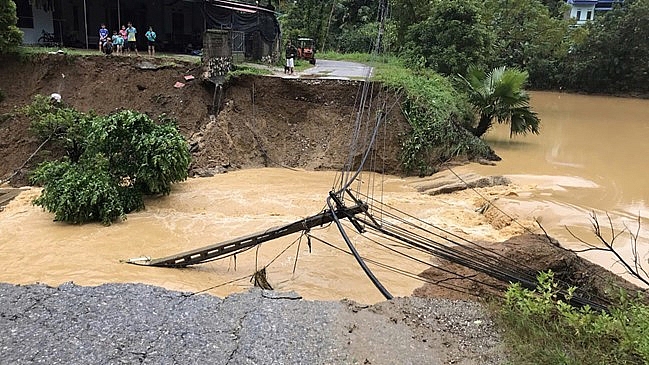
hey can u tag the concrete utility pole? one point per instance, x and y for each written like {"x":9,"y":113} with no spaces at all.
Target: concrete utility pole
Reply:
{"x":85,"y":20}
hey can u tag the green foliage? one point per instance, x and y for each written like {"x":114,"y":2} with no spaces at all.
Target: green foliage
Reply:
{"x":406,"y":13}
{"x":112,"y":161}
{"x":529,"y":37}
{"x":357,"y":39}
{"x":83,"y":192}
{"x":58,"y":122}
{"x":342,"y":25}
{"x":613,"y":57}
{"x":10,"y":36}
{"x":151,"y":156}
{"x":541,"y":327}
{"x":451,"y":39}
{"x":499,"y":95}
{"x":436,"y":113}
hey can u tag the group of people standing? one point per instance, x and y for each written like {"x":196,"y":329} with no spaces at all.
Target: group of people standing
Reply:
{"x":124,"y":40}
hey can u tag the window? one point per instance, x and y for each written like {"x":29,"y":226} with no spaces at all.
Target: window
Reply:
{"x":25,"y":15}
{"x":589,"y":15}
{"x":578,"y":14}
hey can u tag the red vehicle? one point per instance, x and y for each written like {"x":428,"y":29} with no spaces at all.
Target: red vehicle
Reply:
{"x":306,"y":49}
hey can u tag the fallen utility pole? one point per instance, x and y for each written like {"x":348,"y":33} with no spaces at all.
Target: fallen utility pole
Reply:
{"x":233,"y":246}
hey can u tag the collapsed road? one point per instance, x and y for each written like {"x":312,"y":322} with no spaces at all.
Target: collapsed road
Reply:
{"x":141,"y":324}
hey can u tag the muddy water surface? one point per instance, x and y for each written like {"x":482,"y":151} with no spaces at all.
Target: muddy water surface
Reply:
{"x":204,"y":211}
{"x":592,"y":155}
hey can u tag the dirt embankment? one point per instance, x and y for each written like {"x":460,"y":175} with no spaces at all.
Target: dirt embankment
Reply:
{"x":261,"y":121}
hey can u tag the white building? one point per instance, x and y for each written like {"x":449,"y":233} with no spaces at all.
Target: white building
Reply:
{"x":585,"y":10}
{"x":34,"y":18}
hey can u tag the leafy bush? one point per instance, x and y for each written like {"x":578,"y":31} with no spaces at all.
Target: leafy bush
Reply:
{"x":542,"y":328}
{"x":83,"y":192}
{"x":437,"y":113}
{"x":10,"y":36}
{"x":59,"y":123}
{"x":112,"y":161}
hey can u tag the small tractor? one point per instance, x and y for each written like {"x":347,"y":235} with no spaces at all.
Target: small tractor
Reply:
{"x":306,"y":49}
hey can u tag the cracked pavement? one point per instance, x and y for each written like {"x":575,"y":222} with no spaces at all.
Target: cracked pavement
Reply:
{"x":142,"y":324}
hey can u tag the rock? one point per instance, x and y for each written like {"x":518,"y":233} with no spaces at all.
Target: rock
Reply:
{"x":446,"y":182}
{"x":207,"y":172}
{"x":147,"y":65}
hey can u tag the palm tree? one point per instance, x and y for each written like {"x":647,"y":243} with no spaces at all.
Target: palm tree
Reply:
{"x":499,"y":95}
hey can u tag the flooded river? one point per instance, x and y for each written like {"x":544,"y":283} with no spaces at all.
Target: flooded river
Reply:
{"x":204,"y":211}
{"x":590,"y":155}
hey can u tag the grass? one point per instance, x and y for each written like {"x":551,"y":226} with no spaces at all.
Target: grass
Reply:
{"x":28,"y":51}
{"x":434,"y":110}
{"x":355,"y":57}
{"x":250,"y":69}
{"x":540,"y":327}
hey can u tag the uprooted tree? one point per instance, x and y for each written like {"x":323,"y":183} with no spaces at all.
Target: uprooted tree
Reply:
{"x":112,"y":161}
{"x":632,"y":265}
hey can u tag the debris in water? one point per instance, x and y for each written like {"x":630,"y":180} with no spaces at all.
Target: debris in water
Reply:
{"x":260,"y":280}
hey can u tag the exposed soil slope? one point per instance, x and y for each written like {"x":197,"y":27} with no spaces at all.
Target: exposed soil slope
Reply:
{"x":536,"y":253}
{"x":259,"y":121}
{"x":262,"y":121}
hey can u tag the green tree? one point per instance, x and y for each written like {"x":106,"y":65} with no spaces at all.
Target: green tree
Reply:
{"x":613,"y":57}
{"x":406,"y":13}
{"x":10,"y":36}
{"x":499,"y":95}
{"x":332,"y":23}
{"x":451,"y":39}
{"x":112,"y":162}
{"x":528,"y":37}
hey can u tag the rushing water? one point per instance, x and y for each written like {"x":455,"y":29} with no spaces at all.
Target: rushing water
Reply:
{"x":590,"y":156}
{"x":204,"y":211}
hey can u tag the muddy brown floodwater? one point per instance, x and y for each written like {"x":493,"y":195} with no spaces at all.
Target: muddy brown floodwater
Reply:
{"x":204,"y":211}
{"x":591,"y":155}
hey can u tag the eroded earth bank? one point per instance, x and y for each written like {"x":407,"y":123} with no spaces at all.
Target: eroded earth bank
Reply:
{"x":270,"y":135}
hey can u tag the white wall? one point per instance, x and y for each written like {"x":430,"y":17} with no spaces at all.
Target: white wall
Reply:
{"x":42,"y":21}
{"x":583,"y":9}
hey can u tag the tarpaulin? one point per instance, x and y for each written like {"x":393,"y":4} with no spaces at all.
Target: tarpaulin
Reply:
{"x":217,"y":17}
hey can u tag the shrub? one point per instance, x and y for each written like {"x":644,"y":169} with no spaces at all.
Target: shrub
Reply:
{"x":112,"y":161}
{"x":10,"y":36}
{"x":542,"y":328}
{"x":436,"y":112}
{"x":451,"y":39}
{"x":83,"y":192}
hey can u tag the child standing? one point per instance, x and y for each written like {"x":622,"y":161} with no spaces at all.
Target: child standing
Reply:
{"x":150,"y":37}
{"x":131,"y":40}
{"x":103,"y":35}
{"x":124,"y":35}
